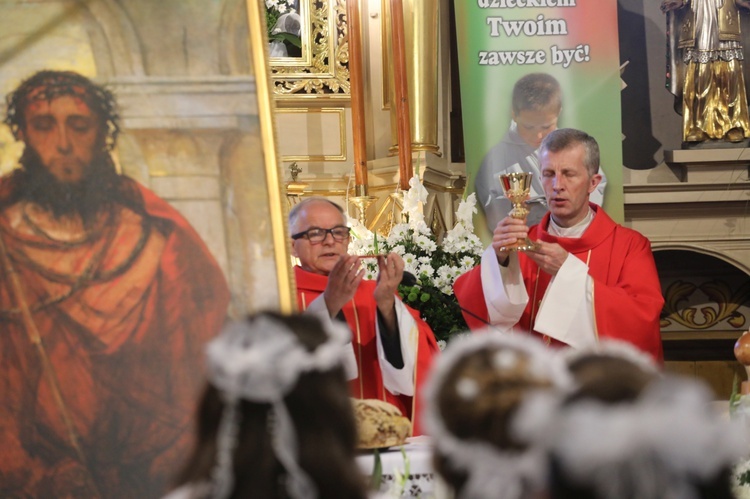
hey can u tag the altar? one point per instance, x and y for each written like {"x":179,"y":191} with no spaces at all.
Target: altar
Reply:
{"x":406,"y":471}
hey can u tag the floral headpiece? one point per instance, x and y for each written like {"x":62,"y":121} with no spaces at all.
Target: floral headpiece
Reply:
{"x":662,"y":445}
{"x":492,"y":472}
{"x":261,"y":361}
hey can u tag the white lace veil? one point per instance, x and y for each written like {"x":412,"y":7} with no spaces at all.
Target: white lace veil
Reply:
{"x":535,"y":419}
{"x":491,"y":472}
{"x":261,"y":361}
{"x":656,"y":447}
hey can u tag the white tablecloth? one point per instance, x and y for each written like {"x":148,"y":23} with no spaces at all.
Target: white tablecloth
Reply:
{"x":420,"y":481}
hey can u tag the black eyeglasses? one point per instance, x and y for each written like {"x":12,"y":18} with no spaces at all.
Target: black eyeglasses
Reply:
{"x":317,"y":235}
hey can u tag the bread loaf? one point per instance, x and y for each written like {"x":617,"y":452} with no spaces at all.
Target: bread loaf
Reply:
{"x":380,"y":424}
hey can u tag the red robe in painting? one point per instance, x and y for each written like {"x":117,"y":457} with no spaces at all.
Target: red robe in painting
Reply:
{"x":627,"y":293}
{"x":123,"y":314}
{"x":360,"y":314}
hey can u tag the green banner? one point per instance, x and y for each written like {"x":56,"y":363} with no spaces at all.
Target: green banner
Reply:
{"x":575,"y":42}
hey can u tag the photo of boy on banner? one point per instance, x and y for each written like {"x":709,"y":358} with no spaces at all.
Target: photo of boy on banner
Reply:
{"x":543,"y":67}
{"x":535,"y":109}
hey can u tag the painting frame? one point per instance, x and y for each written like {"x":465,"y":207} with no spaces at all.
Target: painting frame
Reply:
{"x":258,"y":46}
{"x":322,"y":71}
{"x":110,"y":307}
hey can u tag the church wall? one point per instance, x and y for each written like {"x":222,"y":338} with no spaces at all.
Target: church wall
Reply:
{"x":689,"y":203}
{"x":301,"y":139}
{"x":688,"y":206}
{"x":650,"y":124}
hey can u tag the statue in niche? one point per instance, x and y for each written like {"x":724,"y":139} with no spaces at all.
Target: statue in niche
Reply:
{"x":705,"y":71}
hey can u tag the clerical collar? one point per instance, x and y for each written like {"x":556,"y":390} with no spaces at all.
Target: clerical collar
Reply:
{"x":575,"y":231}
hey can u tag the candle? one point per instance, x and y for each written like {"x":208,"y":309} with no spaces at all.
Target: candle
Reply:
{"x":401,"y":88}
{"x":357,"y":93}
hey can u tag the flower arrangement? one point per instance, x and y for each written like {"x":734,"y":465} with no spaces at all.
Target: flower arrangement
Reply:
{"x":739,"y":409}
{"x":435,"y":266}
{"x":274,"y":10}
{"x":741,"y":480}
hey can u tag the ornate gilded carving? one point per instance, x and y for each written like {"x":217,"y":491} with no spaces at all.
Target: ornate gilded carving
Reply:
{"x":725,"y":306}
{"x":327,"y":73}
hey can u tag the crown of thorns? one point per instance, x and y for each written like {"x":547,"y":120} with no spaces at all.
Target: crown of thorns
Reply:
{"x":48,"y":85}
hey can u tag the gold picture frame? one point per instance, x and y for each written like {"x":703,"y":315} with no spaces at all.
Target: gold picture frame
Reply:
{"x":258,"y":44}
{"x":322,"y":70}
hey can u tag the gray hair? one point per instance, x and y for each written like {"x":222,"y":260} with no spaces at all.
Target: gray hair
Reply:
{"x":296,"y":212}
{"x":567,"y":138}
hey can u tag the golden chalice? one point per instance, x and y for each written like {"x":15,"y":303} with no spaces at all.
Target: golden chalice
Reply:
{"x":516,"y":187}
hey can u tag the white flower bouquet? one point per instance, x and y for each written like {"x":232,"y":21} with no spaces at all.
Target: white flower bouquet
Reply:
{"x":283,"y":24}
{"x":435,"y":266}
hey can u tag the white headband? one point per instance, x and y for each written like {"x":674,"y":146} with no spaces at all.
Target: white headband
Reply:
{"x":491,"y":472}
{"x":652,"y":448}
{"x":261,"y":361}
{"x":535,"y":416}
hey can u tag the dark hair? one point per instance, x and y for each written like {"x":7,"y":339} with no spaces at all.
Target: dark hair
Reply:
{"x":48,"y":85}
{"x":323,"y":418}
{"x":608,"y":378}
{"x":486,"y":417}
{"x":102,"y":186}
{"x":604,"y":378}
{"x":567,"y":138}
{"x":535,"y":92}
{"x":716,"y":487}
{"x":613,"y":380}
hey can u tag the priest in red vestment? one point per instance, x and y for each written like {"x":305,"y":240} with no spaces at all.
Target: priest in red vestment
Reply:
{"x":107,"y":297}
{"x":588,"y":278}
{"x":391,"y":347}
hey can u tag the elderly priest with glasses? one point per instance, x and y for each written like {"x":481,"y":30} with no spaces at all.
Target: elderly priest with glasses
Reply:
{"x":391,"y":346}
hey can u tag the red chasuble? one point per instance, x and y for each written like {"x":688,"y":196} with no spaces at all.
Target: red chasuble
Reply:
{"x":627,"y":292}
{"x":361,"y":316}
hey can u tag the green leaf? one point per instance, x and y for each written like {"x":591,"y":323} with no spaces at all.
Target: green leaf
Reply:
{"x":272,"y":16}
{"x":376,"y":479}
{"x":734,"y":398}
{"x":407,"y":463}
{"x":286,"y":37}
{"x":744,"y":478}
